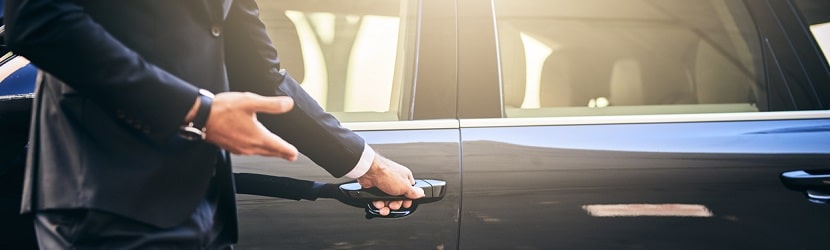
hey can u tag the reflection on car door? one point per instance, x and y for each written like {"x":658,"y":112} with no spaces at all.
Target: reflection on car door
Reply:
{"x":429,"y":149}
{"x":658,"y":136}
{"x":695,"y":185}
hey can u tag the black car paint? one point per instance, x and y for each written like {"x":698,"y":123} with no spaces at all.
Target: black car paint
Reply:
{"x":524,"y":186}
{"x":732,"y":168}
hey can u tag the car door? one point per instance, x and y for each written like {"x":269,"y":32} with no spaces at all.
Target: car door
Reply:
{"x":17,"y":84}
{"x":608,"y":124}
{"x":386,"y":69}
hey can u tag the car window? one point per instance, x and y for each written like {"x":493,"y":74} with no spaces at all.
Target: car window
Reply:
{"x":354,"y":57}
{"x":621,"y":57}
{"x":821,"y":31}
{"x":817,"y":17}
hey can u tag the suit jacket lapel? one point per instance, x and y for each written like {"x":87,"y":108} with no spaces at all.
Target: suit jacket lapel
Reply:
{"x":217,"y":10}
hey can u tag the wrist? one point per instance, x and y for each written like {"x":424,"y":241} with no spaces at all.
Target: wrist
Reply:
{"x":192,"y":112}
{"x":367,"y":158}
{"x":195,"y":127}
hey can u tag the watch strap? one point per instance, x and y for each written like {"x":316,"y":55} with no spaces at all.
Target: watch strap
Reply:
{"x":202,"y":113}
{"x":195,"y":129}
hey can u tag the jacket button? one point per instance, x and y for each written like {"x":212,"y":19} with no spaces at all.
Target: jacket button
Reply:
{"x":216,"y":31}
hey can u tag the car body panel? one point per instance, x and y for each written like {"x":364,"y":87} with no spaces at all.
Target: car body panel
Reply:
{"x":17,"y":83}
{"x":550,"y":175}
{"x":327,"y":224}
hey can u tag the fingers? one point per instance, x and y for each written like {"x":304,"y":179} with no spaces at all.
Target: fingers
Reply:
{"x":384,"y":211}
{"x":276,"y":146}
{"x":382,"y":208}
{"x":395,"y":205}
{"x":270,"y":104}
{"x":233,"y":125}
{"x":264,"y":143}
{"x":385,"y":207}
{"x":280,"y":148}
{"x":394,"y":179}
{"x":379,"y":204}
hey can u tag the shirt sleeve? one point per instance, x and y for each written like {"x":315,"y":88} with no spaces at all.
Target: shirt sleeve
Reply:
{"x":363,"y":164}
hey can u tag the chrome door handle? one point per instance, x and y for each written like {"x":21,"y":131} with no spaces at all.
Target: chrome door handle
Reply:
{"x":355,"y":195}
{"x":815,"y":184}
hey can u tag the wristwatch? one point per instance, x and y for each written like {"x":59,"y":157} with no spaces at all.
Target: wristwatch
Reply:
{"x":195,"y":130}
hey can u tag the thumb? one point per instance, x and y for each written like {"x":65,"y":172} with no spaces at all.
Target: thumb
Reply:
{"x":271,"y":104}
{"x":415,"y":193}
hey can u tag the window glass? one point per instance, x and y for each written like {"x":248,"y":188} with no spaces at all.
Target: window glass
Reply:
{"x":618,"y":57}
{"x":354,"y":57}
{"x":821,"y":32}
{"x":817,"y":14}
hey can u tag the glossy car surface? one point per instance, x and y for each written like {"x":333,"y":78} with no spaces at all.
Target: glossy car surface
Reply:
{"x":564,"y":124}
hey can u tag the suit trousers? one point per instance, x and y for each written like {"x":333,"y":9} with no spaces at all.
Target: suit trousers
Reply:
{"x":93,"y":229}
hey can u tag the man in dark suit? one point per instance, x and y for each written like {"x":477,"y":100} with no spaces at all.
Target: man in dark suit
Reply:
{"x":129,"y":146}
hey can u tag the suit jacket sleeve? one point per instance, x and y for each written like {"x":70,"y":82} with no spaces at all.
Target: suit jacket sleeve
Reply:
{"x":60,"y":38}
{"x":253,"y":65}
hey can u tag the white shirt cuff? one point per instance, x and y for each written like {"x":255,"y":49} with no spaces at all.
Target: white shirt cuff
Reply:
{"x":363,"y":164}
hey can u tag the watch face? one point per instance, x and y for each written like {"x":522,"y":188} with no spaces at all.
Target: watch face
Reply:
{"x":207,"y":93}
{"x":191,"y":133}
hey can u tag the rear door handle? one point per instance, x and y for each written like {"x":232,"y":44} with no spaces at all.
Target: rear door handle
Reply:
{"x":815,"y":184}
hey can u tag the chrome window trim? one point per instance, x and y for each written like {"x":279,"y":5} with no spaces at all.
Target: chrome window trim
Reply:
{"x":498,"y":54}
{"x":403,"y":125}
{"x":20,"y":62}
{"x":642,"y":119}
{"x":417,"y":63}
{"x":16,"y":97}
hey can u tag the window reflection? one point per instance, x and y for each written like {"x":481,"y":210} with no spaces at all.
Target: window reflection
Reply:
{"x":648,"y":210}
{"x":315,"y":77}
{"x":536,"y":53}
{"x":822,"y":34}
{"x":372,"y":65}
{"x":348,"y":55}
{"x":816,"y":14}
{"x":612,"y":57}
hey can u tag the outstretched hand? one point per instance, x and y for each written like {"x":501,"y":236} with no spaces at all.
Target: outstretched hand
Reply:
{"x":233,"y":126}
{"x":391,"y":178}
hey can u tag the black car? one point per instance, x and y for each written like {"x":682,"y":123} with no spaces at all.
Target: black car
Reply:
{"x":564,"y":124}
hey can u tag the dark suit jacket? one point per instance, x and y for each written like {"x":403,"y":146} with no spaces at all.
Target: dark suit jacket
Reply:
{"x":121,"y":76}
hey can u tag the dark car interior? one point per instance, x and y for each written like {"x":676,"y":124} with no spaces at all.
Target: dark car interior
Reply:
{"x":686,"y":58}
{"x":15,"y":113}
